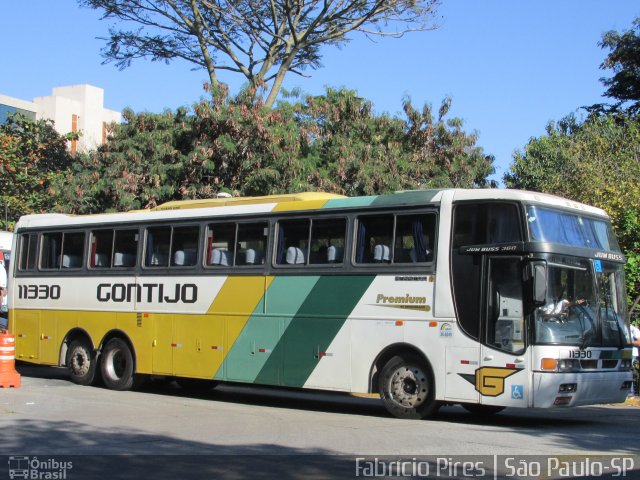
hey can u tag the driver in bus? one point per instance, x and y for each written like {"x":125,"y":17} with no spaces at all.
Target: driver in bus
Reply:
{"x":559,"y":304}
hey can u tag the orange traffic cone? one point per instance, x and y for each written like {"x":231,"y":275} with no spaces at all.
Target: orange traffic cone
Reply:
{"x":8,"y":375}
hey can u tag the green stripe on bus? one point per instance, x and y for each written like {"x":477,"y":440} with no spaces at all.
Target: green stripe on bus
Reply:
{"x":314,"y":327}
{"x":350,"y":202}
{"x":257,"y":341}
{"x":413,"y":197}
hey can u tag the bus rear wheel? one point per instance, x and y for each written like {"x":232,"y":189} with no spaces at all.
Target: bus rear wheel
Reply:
{"x":82,"y":362}
{"x":407,"y":389}
{"x":117,"y":365}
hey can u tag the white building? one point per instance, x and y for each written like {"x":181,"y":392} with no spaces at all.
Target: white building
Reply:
{"x":78,"y":108}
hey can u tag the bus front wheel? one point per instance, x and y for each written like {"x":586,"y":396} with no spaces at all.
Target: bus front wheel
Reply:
{"x":407,"y":389}
{"x":81,"y":362}
{"x":117,"y":365}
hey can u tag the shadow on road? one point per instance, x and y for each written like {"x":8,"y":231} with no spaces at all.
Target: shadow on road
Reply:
{"x":585,"y":428}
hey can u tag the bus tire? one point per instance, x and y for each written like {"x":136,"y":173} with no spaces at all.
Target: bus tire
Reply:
{"x":407,"y":388}
{"x":117,"y":365}
{"x":82,"y":362}
{"x":482,"y":410}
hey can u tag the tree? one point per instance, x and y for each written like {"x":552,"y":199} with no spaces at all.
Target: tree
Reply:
{"x":333,"y":142}
{"x":624,"y":59}
{"x":594,"y":162}
{"x":32,"y":158}
{"x":262,"y":41}
{"x":355,"y":152}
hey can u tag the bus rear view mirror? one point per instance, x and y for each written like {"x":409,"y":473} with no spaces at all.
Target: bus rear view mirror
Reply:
{"x":539,"y":283}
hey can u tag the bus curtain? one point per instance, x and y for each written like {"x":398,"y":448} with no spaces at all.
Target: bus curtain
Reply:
{"x":418,"y":241}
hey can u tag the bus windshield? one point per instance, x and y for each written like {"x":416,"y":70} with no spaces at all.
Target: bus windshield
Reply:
{"x":556,"y":226}
{"x":585,"y":306}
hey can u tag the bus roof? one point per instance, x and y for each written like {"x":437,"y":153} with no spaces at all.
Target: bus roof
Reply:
{"x":229,"y":206}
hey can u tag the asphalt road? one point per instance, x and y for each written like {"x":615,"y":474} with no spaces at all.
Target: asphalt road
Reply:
{"x":244,"y":432}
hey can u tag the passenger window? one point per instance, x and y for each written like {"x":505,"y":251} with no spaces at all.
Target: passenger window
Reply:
{"x":293,"y":242}
{"x":221,"y":244}
{"x":51,"y":250}
{"x":125,"y":248}
{"x":374,"y":239}
{"x":414,"y":239}
{"x":28,"y":246}
{"x":388,"y":239}
{"x":72,"y":250}
{"x":62,"y":250}
{"x":101,"y":248}
{"x":158,"y":243}
{"x":252,"y":244}
{"x":184,"y":246}
{"x":327,"y":241}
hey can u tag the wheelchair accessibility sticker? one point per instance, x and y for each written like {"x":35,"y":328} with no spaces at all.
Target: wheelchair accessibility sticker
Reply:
{"x":517,"y":392}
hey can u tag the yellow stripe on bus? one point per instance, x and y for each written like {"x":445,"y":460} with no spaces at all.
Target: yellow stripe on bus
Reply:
{"x":237,"y":300}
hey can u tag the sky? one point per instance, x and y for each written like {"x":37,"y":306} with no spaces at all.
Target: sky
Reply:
{"x":510,"y":66}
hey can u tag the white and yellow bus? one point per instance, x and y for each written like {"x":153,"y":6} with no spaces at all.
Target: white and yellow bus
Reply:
{"x":485,"y":298}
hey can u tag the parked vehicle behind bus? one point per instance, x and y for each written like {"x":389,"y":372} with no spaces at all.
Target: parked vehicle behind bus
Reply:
{"x":485,"y":298}
{"x":6,"y":240}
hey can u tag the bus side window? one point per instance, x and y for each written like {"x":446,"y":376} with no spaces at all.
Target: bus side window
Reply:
{"x":184,"y":246}
{"x":101,"y":247}
{"x":252,"y":243}
{"x":125,"y":248}
{"x":51,"y":251}
{"x":220,"y":244}
{"x":28,"y":246}
{"x":374,"y":239}
{"x":293,"y":242}
{"x":414,"y":238}
{"x":157,"y":248}
{"x":72,"y":250}
{"x":327,"y":241}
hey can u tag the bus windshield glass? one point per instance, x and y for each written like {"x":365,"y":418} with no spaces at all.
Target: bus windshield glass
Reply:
{"x":557,"y":226}
{"x":585,"y":306}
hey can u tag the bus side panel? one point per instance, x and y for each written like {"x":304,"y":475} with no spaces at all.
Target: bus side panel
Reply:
{"x":138,"y":329}
{"x":27,"y":331}
{"x":319,"y":334}
{"x":390,"y":308}
{"x":194,"y":339}
{"x":161,"y":346}
{"x":253,"y":356}
{"x":240,"y":300}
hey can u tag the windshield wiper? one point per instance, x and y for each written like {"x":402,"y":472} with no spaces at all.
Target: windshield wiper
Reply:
{"x":588,"y":335}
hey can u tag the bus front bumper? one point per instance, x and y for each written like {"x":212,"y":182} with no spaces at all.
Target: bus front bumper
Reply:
{"x":584,"y":388}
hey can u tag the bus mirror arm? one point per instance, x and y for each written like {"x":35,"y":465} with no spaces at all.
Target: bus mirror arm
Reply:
{"x":538,"y":279}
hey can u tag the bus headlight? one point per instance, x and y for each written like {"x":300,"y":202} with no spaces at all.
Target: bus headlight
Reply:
{"x":563,"y":365}
{"x":625,"y":364}
{"x":567,"y":365}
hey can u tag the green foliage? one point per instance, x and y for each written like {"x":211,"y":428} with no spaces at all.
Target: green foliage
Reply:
{"x":356,"y":152}
{"x":624,"y":60}
{"x":595,"y":162}
{"x":333,"y":142}
{"x":32,"y":158}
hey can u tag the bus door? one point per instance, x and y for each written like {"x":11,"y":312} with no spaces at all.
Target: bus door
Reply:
{"x":502,"y":376}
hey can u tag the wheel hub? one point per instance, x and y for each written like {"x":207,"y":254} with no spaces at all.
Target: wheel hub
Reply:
{"x":79,"y":362}
{"x":409,"y":386}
